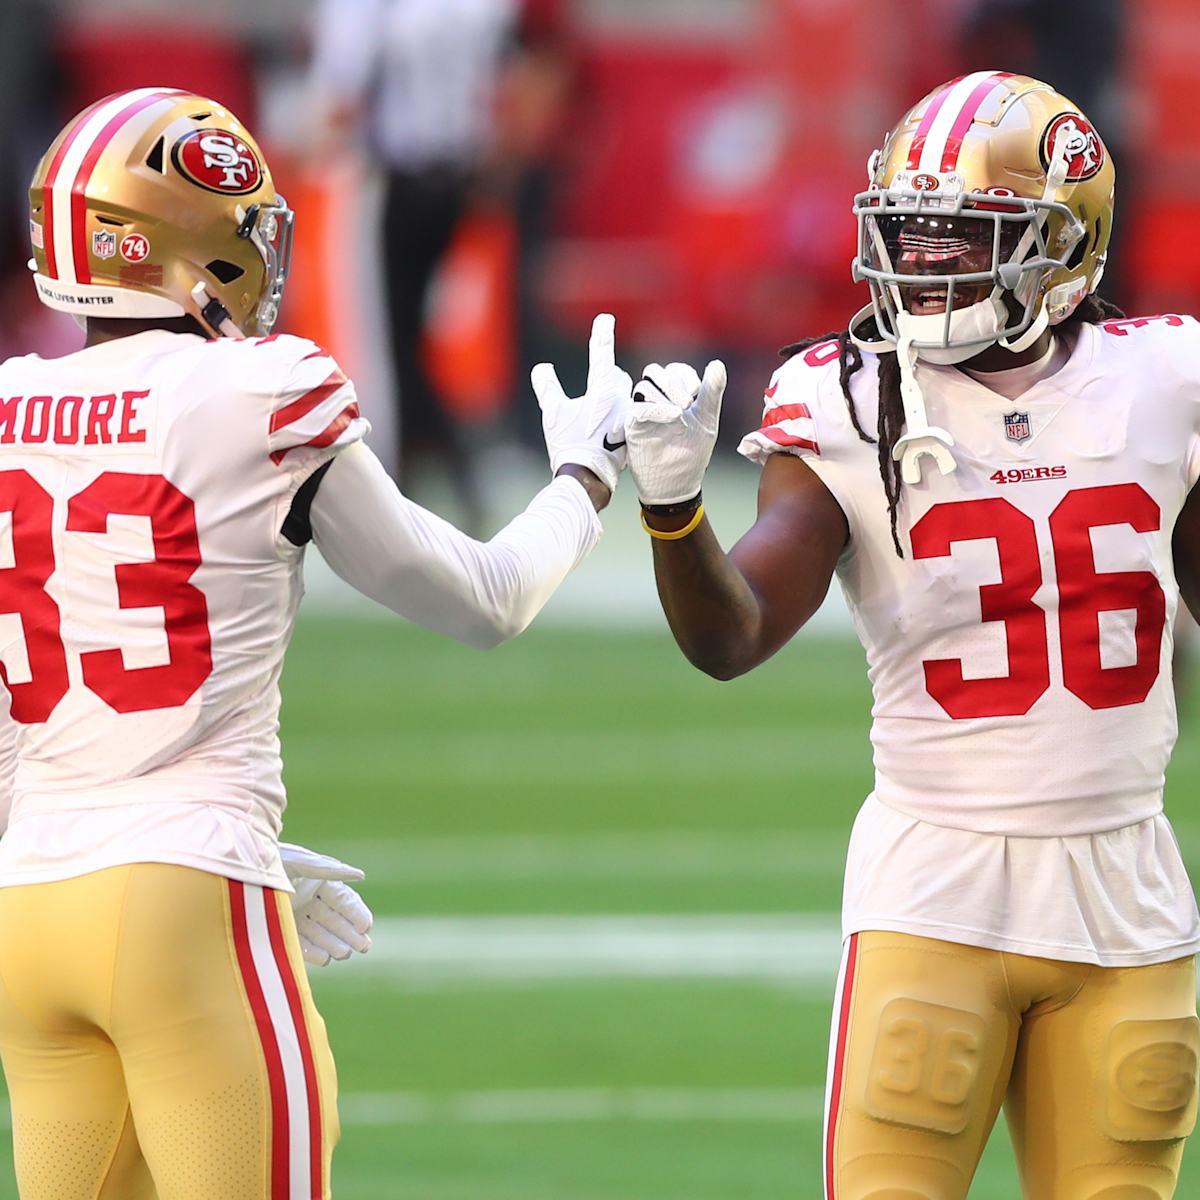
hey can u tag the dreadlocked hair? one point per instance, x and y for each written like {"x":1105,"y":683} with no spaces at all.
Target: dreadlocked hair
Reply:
{"x":1092,"y":310}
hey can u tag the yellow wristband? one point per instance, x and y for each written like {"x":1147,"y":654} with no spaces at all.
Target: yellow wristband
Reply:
{"x":675,"y":534}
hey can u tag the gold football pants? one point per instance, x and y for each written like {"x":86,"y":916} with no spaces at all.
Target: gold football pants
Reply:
{"x":159,"y":1039}
{"x":1096,"y":1068}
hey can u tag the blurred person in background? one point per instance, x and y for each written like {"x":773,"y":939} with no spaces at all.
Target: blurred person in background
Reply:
{"x":419,"y":85}
{"x":29,"y":117}
{"x":1002,"y":470}
{"x":160,"y":485}
{"x":535,"y":117}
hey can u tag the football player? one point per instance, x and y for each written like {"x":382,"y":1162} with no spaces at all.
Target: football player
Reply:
{"x":157,"y":492}
{"x":1000,"y":470}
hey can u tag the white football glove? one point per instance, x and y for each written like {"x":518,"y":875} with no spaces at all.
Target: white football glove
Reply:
{"x":589,"y":430}
{"x":331,"y":918}
{"x":671,"y":430}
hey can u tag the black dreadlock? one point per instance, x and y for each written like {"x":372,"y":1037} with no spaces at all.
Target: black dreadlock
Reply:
{"x":1092,"y":310}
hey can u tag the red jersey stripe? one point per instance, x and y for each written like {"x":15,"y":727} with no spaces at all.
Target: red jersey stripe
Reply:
{"x":291,"y":988}
{"x":967,"y":114}
{"x":839,"y":1064}
{"x":790,"y":439}
{"x":304,"y":404}
{"x":276,"y":1083}
{"x":83,"y":177}
{"x":326,"y":437}
{"x":785,"y":412}
{"x":918,"y":142}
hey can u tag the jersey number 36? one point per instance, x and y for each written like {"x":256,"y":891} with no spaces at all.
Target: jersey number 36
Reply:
{"x":1083,"y":594}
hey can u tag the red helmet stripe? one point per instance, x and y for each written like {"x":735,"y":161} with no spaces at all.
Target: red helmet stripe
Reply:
{"x":918,"y":142}
{"x":966,"y":115}
{"x":48,"y":187}
{"x":83,"y":177}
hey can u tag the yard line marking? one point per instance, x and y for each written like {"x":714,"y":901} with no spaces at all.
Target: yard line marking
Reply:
{"x":791,"y":948}
{"x":703,"y":854}
{"x":383,"y":1110}
{"x":386,"y":1109}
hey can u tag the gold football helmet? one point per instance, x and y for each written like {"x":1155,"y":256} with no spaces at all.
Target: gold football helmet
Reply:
{"x":158,"y":203}
{"x":987,"y":218}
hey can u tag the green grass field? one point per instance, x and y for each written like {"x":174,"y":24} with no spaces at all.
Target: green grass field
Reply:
{"x":606,"y":888}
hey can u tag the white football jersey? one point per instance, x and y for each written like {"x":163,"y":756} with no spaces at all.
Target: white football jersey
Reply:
{"x":147,"y":594}
{"x":1020,"y":650}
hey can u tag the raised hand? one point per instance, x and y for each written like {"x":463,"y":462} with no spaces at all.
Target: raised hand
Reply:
{"x":588,"y":430}
{"x":671,"y":430}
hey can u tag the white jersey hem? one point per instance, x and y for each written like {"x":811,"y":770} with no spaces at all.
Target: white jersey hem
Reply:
{"x":998,"y":815}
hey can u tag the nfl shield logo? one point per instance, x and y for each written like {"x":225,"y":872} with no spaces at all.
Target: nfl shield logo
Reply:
{"x":104,"y":244}
{"x":1016,"y":426}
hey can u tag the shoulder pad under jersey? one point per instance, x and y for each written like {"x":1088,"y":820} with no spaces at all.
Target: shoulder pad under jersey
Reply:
{"x":805,"y":411}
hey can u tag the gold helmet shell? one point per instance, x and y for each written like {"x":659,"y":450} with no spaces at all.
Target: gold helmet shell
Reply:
{"x":157,"y":203}
{"x":1001,"y":148}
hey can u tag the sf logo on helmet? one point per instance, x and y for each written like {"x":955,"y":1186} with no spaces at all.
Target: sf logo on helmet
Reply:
{"x":1084,"y":149}
{"x":218,"y":161}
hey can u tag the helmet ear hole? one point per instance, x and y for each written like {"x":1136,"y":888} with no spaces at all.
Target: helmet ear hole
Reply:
{"x":224,"y":271}
{"x":154,"y":160}
{"x":1081,"y":248}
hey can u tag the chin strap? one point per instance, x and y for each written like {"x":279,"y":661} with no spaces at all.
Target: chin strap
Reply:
{"x":920,"y":439}
{"x":1039,"y":326}
{"x":213,"y":313}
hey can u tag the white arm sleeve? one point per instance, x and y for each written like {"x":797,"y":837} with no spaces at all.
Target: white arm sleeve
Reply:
{"x":420,"y":566}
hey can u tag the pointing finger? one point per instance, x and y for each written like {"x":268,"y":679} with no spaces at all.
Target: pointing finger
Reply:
{"x":712,"y":389}
{"x":601,"y":348}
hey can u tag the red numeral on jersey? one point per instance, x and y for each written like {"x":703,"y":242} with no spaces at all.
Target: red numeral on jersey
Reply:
{"x":160,"y":583}
{"x":163,"y":582}
{"x":1084,"y":593}
{"x":1010,"y":601}
{"x":23,"y":591}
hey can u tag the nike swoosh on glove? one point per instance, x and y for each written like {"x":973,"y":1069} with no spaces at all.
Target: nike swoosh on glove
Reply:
{"x":331,"y":917}
{"x":588,"y":430}
{"x":671,"y":430}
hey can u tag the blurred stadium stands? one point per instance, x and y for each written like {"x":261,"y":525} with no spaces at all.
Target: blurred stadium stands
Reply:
{"x":698,"y":168}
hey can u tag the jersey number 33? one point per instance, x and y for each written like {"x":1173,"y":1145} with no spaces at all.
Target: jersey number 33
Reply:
{"x":161,"y":582}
